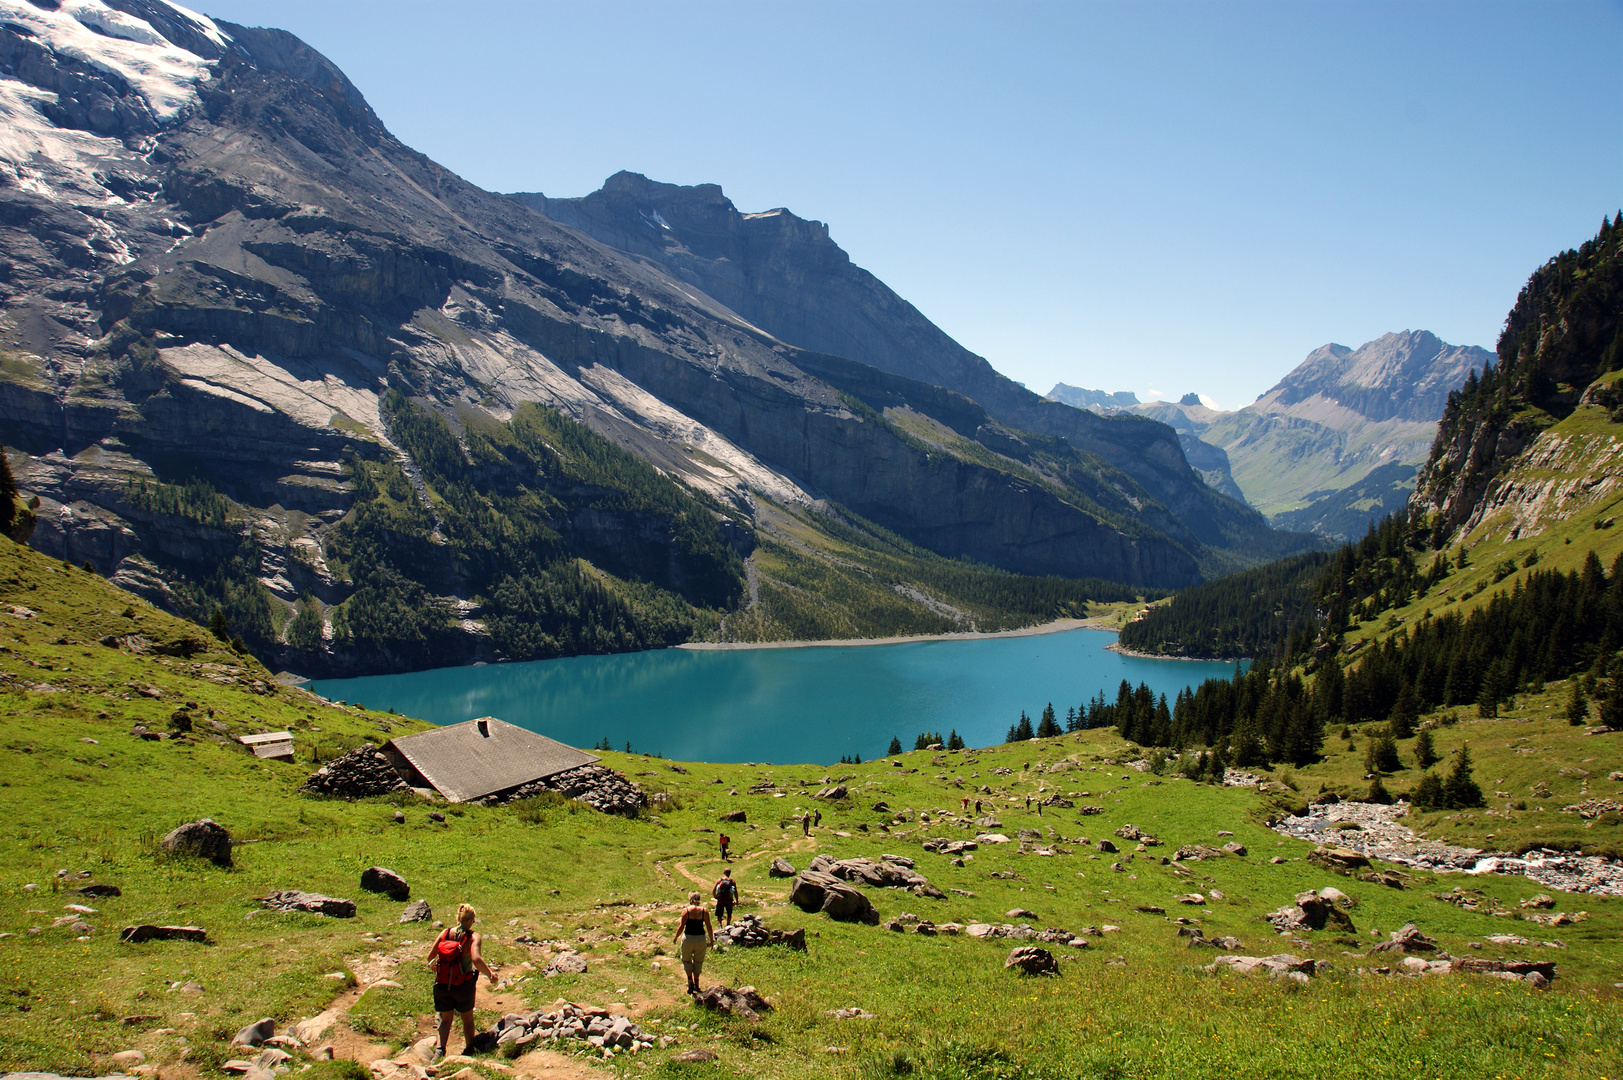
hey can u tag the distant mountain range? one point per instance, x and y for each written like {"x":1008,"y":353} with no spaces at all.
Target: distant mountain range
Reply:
{"x":258,"y":355}
{"x":1335,"y":443}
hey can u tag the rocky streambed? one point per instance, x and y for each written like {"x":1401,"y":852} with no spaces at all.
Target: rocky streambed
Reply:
{"x":1380,"y":834}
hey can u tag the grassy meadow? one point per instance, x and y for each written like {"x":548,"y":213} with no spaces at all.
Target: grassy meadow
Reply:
{"x":84,"y":796}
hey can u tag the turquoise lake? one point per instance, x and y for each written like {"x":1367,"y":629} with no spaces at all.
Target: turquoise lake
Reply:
{"x":786,"y":706}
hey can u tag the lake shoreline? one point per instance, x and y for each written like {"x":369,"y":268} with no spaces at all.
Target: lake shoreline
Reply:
{"x":1058,"y":626}
{"x":1122,"y":650}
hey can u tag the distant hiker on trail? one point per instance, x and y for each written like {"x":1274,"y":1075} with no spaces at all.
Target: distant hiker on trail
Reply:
{"x":977,"y":807}
{"x":695,"y":934}
{"x":965,"y":801}
{"x":455,"y":959}
{"x":725,"y":891}
{"x":1028,"y":803}
{"x":805,"y":823}
{"x":817,"y":819}
{"x":725,"y":840}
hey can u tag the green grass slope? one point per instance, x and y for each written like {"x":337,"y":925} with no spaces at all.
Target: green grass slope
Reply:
{"x":1136,"y":1003}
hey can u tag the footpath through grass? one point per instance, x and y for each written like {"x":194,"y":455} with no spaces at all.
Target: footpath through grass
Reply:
{"x":1135,"y":1003}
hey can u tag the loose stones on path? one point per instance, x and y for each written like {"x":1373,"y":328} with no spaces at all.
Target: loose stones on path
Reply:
{"x":608,"y":1031}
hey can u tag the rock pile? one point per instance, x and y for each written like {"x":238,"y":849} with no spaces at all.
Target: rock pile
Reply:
{"x":1194,"y":853}
{"x":1051,"y":936}
{"x":360,"y":774}
{"x":884,"y":874}
{"x":1031,"y":960}
{"x":587,"y":1023}
{"x":1594,"y":808}
{"x":1313,"y":911}
{"x":598,"y":786}
{"x":1198,"y":939}
{"x":1538,"y":973}
{"x":815,"y":890}
{"x":943,"y":846}
{"x":1138,"y":836}
{"x":743,"y":1003}
{"x":750,"y":932}
{"x":204,"y":838}
{"x":313,"y":903}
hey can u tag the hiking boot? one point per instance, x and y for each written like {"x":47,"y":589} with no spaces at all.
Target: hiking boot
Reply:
{"x":439,"y":1052}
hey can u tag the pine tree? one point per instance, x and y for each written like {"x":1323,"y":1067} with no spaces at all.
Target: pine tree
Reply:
{"x":955,"y":741}
{"x":1577,"y":707}
{"x":1048,"y":726}
{"x":1378,"y":793}
{"x":895,"y":747}
{"x":1023,"y":730}
{"x":1611,"y":704}
{"x":1425,"y":753}
{"x":218,"y":626}
{"x":1404,"y":713}
{"x":8,"y":493}
{"x":1382,"y":754}
{"x":1428,"y":794}
{"x":1459,"y":790}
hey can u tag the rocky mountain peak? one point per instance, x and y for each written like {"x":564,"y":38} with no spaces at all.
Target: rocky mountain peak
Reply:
{"x":1404,"y":376}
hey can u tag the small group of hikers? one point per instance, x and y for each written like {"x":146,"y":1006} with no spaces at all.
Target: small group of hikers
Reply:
{"x":457,"y":962}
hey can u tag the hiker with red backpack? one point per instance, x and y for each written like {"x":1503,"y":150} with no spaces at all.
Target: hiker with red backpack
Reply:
{"x":455,"y":958}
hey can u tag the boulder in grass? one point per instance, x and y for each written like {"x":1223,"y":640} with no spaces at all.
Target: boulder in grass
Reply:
{"x":814,"y":890}
{"x":381,"y":880}
{"x":781,"y":868}
{"x":204,"y":838}
{"x":1341,"y":860}
{"x":1032,"y":960}
{"x":743,"y":1003}
{"x":737,"y":816}
{"x":256,"y":1033}
{"x":417,"y":911}
{"x":1407,"y":939}
{"x":135,"y":935}
{"x":313,"y":903}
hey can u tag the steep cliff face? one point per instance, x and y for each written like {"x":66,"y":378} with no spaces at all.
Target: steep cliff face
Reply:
{"x":218,"y":265}
{"x":1558,"y":355}
{"x":787,"y":276}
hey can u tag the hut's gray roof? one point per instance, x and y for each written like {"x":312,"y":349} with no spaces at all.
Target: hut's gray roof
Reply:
{"x":479,"y":757}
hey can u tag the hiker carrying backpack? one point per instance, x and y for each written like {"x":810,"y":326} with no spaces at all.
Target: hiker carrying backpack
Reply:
{"x":726,"y":893}
{"x":457,"y":964}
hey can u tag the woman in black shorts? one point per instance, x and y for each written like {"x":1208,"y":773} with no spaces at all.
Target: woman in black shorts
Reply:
{"x":455,"y":958}
{"x":695,"y":934}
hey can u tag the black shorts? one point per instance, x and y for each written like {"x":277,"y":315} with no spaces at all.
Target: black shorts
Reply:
{"x":457,"y":999}
{"x":724,"y":909}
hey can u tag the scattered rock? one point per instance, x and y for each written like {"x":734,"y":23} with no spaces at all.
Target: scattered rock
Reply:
{"x":1539,"y":973}
{"x":1133,"y":833}
{"x":882,"y":874}
{"x":1279,"y":966}
{"x":750,"y":932}
{"x":1539,"y":900}
{"x":135,"y":935}
{"x":1020,"y":913}
{"x":1195,"y":853}
{"x":362,"y":773}
{"x":128,"y":1059}
{"x":736,"y":815}
{"x":781,"y":868}
{"x":1339,"y":859}
{"x":832,"y":794}
{"x":567,"y":963}
{"x":1310,"y":911}
{"x":314,"y":903}
{"x":381,"y":880}
{"x":101,"y":890}
{"x":744,"y":1002}
{"x":1234,"y":848}
{"x":204,"y":838}
{"x":399,"y":817}
{"x":697,"y":1054}
{"x":256,"y":1033}
{"x":1407,"y":939}
{"x":417,"y":911}
{"x":1107,"y":848}
{"x":852,"y":1013}
{"x":1032,"y":960}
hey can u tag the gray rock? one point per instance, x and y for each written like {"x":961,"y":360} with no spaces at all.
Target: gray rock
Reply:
{"x":417,"y":911}
{"x":256,"y":1033}
{"x":1234,"y":848}
{"x":380,"y":880}
{"x":1032,"y":960}
{"x":1407,"y":939}
{"x":204,"y":838}
{"x":568,"y":963}
{"x":135,"y":935}
{"x":814,"y":890}
{"x":314,"y":903}
{"x":743,"y":1003}
{"x":360,"y":774}
{"x":781,"y":868}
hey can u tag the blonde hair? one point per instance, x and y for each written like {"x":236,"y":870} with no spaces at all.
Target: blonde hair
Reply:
{"x":695,"y":899}
{"x":465,"y":914}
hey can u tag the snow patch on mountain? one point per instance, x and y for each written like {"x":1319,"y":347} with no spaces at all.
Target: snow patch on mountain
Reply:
{"x":120,"y":44}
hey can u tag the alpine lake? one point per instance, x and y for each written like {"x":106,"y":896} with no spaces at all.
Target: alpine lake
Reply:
{"x":800,"y":705}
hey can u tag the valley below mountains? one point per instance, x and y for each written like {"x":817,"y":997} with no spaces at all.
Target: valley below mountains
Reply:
{"x":260,"y":360}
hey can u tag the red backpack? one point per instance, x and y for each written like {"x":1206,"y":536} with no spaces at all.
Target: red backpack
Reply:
{"x":453,"y":962}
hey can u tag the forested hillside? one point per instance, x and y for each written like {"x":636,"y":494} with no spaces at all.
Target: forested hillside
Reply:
{"x":1251,"y":613}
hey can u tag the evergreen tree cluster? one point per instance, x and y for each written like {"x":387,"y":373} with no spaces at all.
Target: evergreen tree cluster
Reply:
{"x":1548,"y":626}
{"x":1264,"y":611}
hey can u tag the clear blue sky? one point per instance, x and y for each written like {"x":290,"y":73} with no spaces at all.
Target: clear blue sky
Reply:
{"x":1123,"y":196}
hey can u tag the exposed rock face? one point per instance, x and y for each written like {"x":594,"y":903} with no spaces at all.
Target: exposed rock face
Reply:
{"x":265,"y":261}
{"x":786,"y":275}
